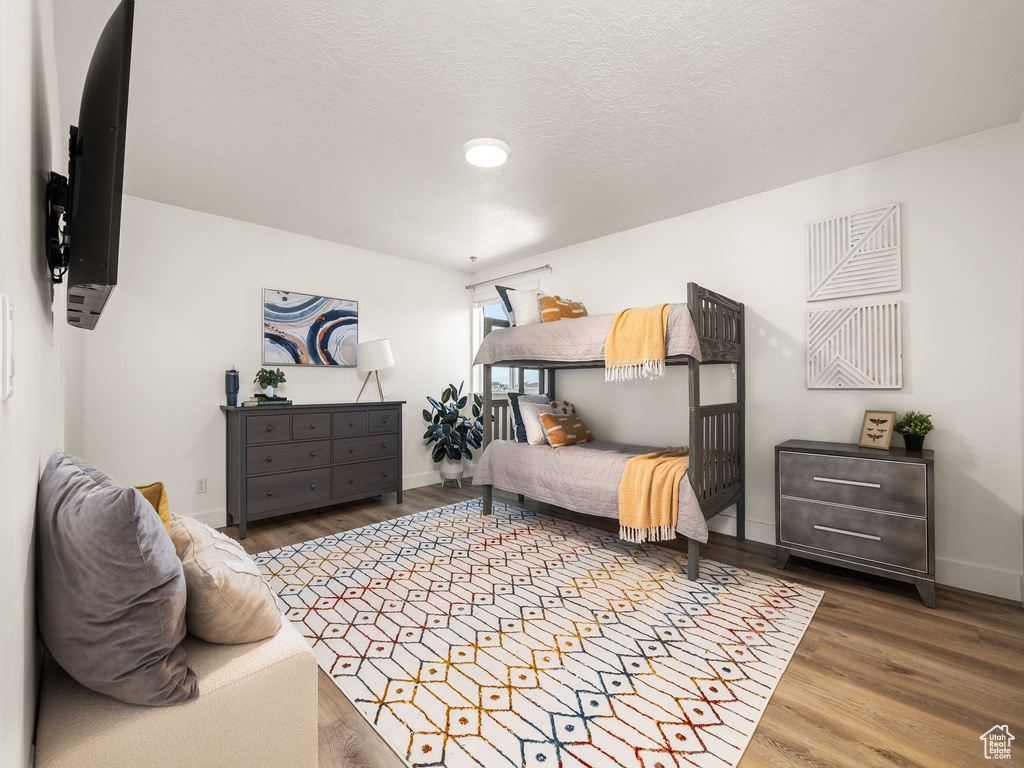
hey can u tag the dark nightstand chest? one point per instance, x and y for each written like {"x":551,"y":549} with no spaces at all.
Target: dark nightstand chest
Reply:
{"x":295,"y":457}
{"x":873,"y":511}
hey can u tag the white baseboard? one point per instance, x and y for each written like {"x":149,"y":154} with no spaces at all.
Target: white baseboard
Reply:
{"x":756,"y":530}
{"x":215,"y":518}
{"x":979,"y":578}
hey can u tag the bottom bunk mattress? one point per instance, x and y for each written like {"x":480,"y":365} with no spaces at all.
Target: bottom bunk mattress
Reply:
{"x":584,"y":478}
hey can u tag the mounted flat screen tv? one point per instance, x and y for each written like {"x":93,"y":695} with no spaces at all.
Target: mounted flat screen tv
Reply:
{"x":87,"y":251}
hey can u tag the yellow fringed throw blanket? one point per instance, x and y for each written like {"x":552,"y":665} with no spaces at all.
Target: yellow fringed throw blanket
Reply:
{"x":635,"y":348}
{"x":649,"y":495}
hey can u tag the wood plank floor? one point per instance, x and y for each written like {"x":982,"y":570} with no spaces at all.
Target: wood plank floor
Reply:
{"x":878,"y":680}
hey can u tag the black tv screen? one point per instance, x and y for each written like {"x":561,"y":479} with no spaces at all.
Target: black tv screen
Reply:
{"x":96,"y":172}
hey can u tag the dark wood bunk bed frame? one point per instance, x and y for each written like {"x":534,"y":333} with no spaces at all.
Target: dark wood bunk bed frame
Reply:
{"x":716,"y":431}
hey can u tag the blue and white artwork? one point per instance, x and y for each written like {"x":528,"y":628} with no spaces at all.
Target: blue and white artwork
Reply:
{"x":299,"y":329}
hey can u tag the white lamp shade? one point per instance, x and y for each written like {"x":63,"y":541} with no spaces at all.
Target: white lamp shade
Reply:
{"x":373,"y":356}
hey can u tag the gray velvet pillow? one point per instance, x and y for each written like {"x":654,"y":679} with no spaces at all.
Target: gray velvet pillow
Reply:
{"x":110,"y":590}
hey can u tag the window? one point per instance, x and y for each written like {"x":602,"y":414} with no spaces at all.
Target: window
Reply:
{"x":502,"y":379}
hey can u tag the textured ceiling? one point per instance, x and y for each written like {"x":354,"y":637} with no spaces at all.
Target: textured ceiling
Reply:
{"x":345,"y":120}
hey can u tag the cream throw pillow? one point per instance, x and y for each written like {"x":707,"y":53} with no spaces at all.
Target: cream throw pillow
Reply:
{"x":227,"y":600}
{"x":526,"y":306}
{"x":535,"y":432}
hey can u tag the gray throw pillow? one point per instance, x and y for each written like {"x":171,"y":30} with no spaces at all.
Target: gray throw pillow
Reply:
{"x":110,"y":589}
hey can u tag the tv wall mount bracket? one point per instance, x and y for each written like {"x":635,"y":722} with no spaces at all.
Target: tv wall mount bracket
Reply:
{"x":59,"y":190}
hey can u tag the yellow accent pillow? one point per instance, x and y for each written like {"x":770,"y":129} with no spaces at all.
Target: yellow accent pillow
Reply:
{"x":156,"y":494}
{"x":556,"y":308}
{"x":563,"y":426}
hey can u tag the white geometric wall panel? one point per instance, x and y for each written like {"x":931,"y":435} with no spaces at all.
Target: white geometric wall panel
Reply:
{"x":855,"y":254}
{"x":855,"y":347}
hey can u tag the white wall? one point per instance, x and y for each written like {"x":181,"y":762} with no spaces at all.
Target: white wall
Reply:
{"x":962,"y":211}
{"x":31,"y":422}
{"x":1020,"y":133}
{"x":145,"y":387}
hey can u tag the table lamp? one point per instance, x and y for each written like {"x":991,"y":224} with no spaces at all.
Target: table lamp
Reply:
{"x":371,"y":357}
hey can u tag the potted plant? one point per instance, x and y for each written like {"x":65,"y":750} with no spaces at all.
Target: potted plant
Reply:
{"x":914,"y":426}
{"x":269,"y":380}
{"x":450,"y":432}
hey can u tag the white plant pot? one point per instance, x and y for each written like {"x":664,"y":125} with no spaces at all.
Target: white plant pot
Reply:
{"x":451,"y":470}
{"x":269,"y":391}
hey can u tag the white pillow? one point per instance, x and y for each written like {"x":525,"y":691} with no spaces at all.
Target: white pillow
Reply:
{"x":535,"y":432}
{"x":526,"y":307}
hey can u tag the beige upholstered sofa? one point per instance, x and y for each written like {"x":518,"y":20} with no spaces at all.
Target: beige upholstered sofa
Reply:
{"x":257,"y":706}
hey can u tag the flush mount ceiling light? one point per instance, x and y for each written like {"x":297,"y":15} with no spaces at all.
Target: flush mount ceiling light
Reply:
{"x":486,"y":153}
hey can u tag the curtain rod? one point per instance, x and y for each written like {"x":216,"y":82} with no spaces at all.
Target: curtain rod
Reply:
{"x":471,"y":286}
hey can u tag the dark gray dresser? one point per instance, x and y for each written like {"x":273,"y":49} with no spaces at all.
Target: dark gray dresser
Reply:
{"x":296,"y":457}
{"x":870,"y":510}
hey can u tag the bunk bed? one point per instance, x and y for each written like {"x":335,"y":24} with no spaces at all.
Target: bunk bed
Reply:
{"x":716,"y":432}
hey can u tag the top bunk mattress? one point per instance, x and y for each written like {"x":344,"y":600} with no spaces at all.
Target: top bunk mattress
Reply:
{"x":579,"y":340}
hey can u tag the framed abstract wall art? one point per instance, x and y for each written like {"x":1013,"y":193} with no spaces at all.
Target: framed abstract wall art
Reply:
{"x":300,"y":329}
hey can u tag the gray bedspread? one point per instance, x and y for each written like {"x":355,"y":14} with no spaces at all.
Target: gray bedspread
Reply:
{"x":578,"y":340}
{"x":584,"y":478}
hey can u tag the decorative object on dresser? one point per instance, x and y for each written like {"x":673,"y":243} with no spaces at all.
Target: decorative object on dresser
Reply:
{"x":231,"y":385}
{"x":914,"y":427}
{"x":284,"y":459}
{"x":300,"y":329}
{"x":876,"y":430}
{"x":846,"y":505}
{"x":269,"y":380}
{"x":452,"y":434}
{"x":856,"y":254}
{"x":371,"y":358}
{"x":858,"y":347}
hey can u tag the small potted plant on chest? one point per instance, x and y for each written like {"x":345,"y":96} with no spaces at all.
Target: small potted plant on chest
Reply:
{"x":269,"y":379}
{"x":914,"y":426}
{"x":452,"y":434}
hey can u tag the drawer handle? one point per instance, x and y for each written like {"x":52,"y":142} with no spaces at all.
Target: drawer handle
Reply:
{"x":312,"y":487}
{"x":350,"y":480}
{"x":351,"y":423}
{"x":385,"y":474}
{"x":385,"y":446}
{"x":269,"y":459}
{"x":270,"y":427}
{"x":848,"y":533}
{"x":846,"y":482}
{"x":312,"y":454}
{"x":312,"y":426}
{"x":351,"y":450}
{"x":270,"y":493}
{"x":385,"y":419}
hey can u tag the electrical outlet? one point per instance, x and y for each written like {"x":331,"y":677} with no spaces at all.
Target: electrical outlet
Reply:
{"x":201,"y":485}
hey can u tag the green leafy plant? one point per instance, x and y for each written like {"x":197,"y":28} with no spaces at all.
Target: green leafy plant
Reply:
{"x":268,"y":378}
{"x":450,"y":432}
{"x":914,"y":423}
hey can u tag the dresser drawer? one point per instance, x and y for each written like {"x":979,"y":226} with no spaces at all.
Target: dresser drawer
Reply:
{"x":264,"y":459}
{"x":873,"y":483}
{"x":310,"y":426}
{"x":348,"y":423}
{"x":362,"y":448}
{"x":268,"y":429}
{"x":878,"y":537}
{"x":382,"y":420}
{"x":288,"y":489}
{"x":369,"y":477}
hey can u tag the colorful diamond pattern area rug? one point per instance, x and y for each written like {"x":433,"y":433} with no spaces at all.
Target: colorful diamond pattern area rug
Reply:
{"x":520,"y":639}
